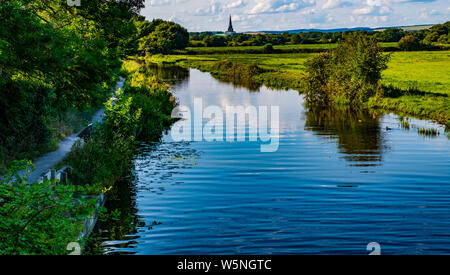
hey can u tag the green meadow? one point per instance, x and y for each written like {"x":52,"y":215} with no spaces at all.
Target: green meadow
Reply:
{"x":282,"y":48}
{"x":427,"y":71}
{"x":424,"y":78}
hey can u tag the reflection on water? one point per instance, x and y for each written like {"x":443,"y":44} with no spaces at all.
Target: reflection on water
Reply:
{"x":117,"y":232}
{"x":229,"y":198}
{"x":251,"y":86}
{"x":358,"y":133}
{"x":172,"y":75}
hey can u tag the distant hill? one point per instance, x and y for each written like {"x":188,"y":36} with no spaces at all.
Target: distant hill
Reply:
{"x":318,"y":30}
{"x":406,"y":28}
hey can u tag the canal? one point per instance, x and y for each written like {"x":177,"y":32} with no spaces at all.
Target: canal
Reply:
{"x":338,"y":180}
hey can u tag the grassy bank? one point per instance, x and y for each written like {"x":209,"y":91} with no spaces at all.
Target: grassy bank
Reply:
{"x":418,"y":81}
{"x":139,"y":113}
{"x":421,"y":85}
{"x":44,"y":218}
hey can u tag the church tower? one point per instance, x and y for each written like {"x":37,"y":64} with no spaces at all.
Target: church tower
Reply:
{"x":230,"y":30}
{"x":230,"y":26}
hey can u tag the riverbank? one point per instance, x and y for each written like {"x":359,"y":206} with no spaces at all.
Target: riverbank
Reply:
{"x":137,"y":113}
{"x":415,"y":81}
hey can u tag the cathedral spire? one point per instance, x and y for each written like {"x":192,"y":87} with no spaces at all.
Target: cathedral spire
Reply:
{"x":230,"y":26}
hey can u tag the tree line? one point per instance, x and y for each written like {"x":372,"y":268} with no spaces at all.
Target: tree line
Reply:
{"x":436,"y":34}
{"x":57,"y":61}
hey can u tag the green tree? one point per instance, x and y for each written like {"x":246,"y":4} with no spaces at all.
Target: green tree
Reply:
{"x":296,"y":39}
{"x":54,"y":57}
{"x":268,"y":48}
{"x":162,"y":37}
{"x":431,"y":38}
{"x":349,"y":74}
{"x":409,"y":43}
{"x":392,"y":35}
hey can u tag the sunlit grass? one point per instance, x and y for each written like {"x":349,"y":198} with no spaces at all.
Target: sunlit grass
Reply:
{"x":277,"y":47}
{"x":426,"y":71}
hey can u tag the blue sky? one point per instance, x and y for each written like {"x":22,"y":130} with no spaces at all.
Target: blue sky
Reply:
{"x":254,"y":15}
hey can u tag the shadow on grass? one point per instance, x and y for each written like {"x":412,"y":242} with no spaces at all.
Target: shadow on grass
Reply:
{"x":395,"y":92}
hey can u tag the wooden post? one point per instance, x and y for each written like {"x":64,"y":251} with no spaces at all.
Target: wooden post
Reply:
{"x":63,"y":177}
{"x":52,"y":174}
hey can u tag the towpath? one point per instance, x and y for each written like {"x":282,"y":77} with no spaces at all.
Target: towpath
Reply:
{"x":49,"y":160}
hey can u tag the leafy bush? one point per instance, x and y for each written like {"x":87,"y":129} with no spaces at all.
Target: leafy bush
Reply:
{"x":119,"y":117}
{"x":156,"y":106}
{"x":349,"y":74}
{"x":409,"y":43}
{"x":268,"y":48}
{"x":237,"y":72}
{"x":102,"y":159}
{"x":39,"y":218}
{"x":317,"y":85}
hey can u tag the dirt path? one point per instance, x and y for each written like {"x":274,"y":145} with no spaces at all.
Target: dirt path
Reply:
{"x":49,"y":160}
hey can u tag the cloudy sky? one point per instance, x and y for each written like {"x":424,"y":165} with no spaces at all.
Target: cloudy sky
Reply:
{"x":255,"y":15}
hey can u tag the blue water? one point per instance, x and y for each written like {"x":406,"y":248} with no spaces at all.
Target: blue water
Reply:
{"x":338,"y":181}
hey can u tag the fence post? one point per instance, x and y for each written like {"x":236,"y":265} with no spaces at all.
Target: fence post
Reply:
{"x":52,"y":174}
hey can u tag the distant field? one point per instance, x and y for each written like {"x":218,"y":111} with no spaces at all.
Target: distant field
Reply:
{"x":411,"y":28}
{"x":242,"y":48}
{"x":279,"y":47}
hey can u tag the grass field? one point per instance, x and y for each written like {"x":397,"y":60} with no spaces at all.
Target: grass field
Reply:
{"x":246,"y":49}
{"x":425,"y":74}
{"x":411,"y":28}
{"x":426,"y":71}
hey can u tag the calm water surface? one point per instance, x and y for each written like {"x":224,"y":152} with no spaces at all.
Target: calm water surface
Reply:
{"x":339,"y":180}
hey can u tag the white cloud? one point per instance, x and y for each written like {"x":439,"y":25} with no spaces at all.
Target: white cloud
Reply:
{"x":153,"y":3}
{"x":365,"y":10}
{"x":213,"y":9}
{"x":236,"y":4}
{"x":277,"y":6}
{"x":332,"y":4}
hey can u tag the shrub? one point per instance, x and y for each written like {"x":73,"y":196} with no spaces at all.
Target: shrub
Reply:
{"x":102,"y":159}
{"x":349,"y":74}
{"x":154,"y":101}
{"x":120,"y":119}
{"x":236,"y":70}
{"x":39,"y":218}
{"x":409,"y":43}
{"x":194,"y":43}
{"x":268,"y":48}
{"x":318,"y":70}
